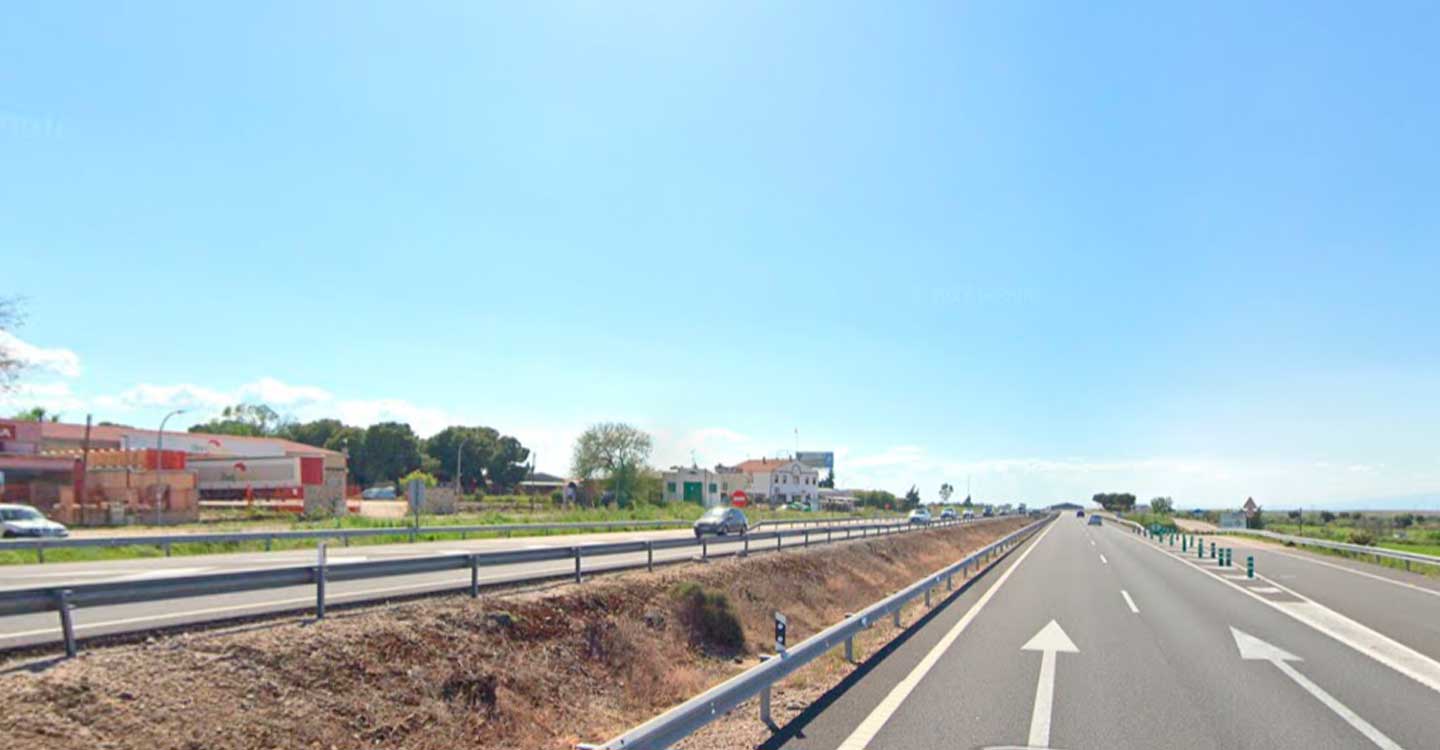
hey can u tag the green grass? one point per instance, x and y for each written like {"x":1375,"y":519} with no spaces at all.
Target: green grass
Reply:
{"x":1341,"y":533}
{"x":670,"y":512}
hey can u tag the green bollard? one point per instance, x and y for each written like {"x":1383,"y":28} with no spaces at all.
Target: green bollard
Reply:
{"x":1200,"y":550}
{"x":1212,"y":550}
{"x":1249,"y":566}
{"x":1184,"y":543}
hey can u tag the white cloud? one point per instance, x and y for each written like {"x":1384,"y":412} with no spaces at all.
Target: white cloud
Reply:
{"x":62,"y":362}
{"x":424,"y":420}
{"x":182,"y":396}
{"x":270,"y":391}
{"x":54,"y":397}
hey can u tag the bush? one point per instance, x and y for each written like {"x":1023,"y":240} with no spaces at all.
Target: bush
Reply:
{"x":428,"y":479}
{"x":710,"y":619}
{"x":1327,"y":516}
{"x":1405,"y":520}
{"x":1361,"y":536}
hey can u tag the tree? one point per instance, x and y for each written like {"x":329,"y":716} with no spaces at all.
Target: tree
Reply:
{"x":10,"y":362}
{"x":316,"y":433}
{"x":968,"y":502}
{"x":36,"y":414}
{"x":1115,"y":502}
{"x":612,"y":451}
{"x":427,"y":478}
{"x":829,"y":481}
{"x":391,"y":451}
{"x":912,"y":498}
{"x":507,"y":468}
{"x":1326,"y":516}
{"x":246,"y":420}
{"x":351,"y":442}
{"x":474,"y":446}
{"x":875,"y":499}
{"x":1405,"y":520}
{"x":945,"y":492}
{"x":1162,"y":505}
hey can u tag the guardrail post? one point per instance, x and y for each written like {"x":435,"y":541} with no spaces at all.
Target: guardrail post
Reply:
{"x":705,"y":549}
{"x":927,"y":595}
{"x":577,"y":564}
{"x":320,"y":584}
{"x":268,"y":541}
{"x":345,"y":540}
{"x":778,"y":539}
{"x":807,"y":539}
{"x":850,"y":649}
{"x":40,"y":552}
{"x":897,"y":617}
{"x":474,"y":576}
{"x":650,"y":555}
{"x":829,"y":535}
{"x":950,"y":582}
{"x":67,"y":625}
{"x":765,"y":707}
{"x":165,"y":545}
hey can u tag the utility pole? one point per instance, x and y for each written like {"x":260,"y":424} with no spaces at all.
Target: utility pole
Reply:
{"x":160,"y":462}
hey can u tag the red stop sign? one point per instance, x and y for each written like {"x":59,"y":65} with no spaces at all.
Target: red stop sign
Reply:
{"x":739,"y":499}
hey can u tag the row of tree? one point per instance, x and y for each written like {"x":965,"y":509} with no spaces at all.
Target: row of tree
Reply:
{"x":480,"y":457}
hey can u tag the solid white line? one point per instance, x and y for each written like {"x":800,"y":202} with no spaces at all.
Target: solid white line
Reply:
{"x":868,"y":728}
{"x":1328,"y":564}
{"x":1129,"y":601}
{"x":1350,"y":717}
{"x":1381,"y":648}
{"x":1044,"y":698}
{"x":1103,"y":560}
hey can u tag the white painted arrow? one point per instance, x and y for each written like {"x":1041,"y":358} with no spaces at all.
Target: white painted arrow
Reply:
{"x":1049,"y":641}
{"x":1257,"y":650}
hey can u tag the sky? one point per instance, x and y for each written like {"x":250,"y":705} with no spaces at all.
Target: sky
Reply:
{"x":1051,"y":249}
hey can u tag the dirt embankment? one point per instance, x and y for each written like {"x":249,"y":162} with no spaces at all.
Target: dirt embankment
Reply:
{"x":541,"y":669}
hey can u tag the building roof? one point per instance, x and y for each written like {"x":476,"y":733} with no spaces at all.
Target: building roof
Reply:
{"x":117,"y":433}
{"x":541,"y":477}
{"x":757,"y":465}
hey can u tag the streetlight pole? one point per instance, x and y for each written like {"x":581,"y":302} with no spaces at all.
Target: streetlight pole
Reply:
{"x":160,"y":462}
{"x":459,"y":489}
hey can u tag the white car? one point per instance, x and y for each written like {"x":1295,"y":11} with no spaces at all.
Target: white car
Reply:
{"x":25,"y":521}
{"x":920,"y":516}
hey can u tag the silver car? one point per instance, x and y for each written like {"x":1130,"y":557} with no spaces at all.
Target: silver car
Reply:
{"x":721,"y":521}
{"x":25,"y":521}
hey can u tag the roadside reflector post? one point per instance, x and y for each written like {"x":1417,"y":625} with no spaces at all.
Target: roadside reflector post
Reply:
{"x":474,"y":576}
{"x":650,"y":555}
{"x":67,"y":625}
{"x":320,"y":582}
{"x":577,"y":564}
{"x":1249,"y":566}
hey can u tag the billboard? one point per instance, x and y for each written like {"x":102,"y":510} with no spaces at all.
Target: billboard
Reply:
{"x":817,"y":459}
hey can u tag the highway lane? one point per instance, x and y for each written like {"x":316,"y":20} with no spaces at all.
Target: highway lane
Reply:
{"x":69,"y":573}
{"x":1144,"y":650}
{"x":26,"y":630}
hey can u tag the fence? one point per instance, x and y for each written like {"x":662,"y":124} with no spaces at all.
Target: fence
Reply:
{"x":674,"y":725}
{"x":64,"y":599}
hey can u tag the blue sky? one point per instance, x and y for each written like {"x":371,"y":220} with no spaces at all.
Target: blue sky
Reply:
{"x":1059,"y":248}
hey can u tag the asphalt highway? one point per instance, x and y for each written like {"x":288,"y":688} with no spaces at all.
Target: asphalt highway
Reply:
{"x":41,"y":628}
{"x":1093,"y":637}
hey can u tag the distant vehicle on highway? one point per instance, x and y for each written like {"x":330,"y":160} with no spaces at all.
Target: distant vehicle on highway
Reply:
{"x":967,"y":515}
{"x":920,"y":516}
{"x":721,"y":521}
{"x":989,"y":512}
{"x":25,"y":521}
{"x":1094,"y":520}
{"x":948,"y":514}
{"x":378,"y":493}
{"x":1079,"y":514}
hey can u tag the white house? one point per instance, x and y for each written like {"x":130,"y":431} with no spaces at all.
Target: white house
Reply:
{"x":782,"y":480}
{"x":698,"y":484}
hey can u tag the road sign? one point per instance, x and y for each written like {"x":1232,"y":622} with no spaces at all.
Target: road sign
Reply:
{"x":780,"y":624}
{"x":739,"y":499}
{"x":817,"y":459}
{"x":416,"y":493}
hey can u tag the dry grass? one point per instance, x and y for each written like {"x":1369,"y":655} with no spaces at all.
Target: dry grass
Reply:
{"x":542,"y":669}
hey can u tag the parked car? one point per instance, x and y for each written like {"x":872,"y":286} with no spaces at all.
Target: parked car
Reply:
{"x":920,"y":516}
{"x":1094,"y":520}
{"x":948,"y":514}
{"x":989,"y":512}
{"x":25,"y":521}
{"x":721,"y":521}
{"x":798,"y":506}
{"x":968,"y":515}
{"x":378,"y":493}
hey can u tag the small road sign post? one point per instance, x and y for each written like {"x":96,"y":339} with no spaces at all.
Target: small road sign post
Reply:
{"x":780,"y":624}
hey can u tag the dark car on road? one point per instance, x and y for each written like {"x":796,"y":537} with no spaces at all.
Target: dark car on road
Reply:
{"x":721,"y":521}
{"x":1094,"y":520}
{"x":1079,"y":514}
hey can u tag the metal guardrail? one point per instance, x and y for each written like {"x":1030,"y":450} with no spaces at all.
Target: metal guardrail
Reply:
{"x":64,"y":599}
{"x":665,"y":730}
{"x":167,"y":541}
{"x":1378,"y":553}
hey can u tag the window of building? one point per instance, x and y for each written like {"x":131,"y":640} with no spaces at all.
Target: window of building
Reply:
{"x":712,"y":488}
{"x":670,"y":487}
